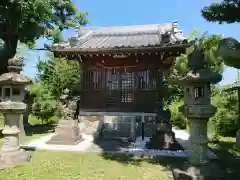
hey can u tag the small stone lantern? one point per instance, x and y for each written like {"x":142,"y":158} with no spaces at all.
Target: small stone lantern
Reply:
{"x":12,"y":107}
{"x":198,"y":110}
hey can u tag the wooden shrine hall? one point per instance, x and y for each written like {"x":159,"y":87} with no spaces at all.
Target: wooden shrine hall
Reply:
{"x":123,"y":66}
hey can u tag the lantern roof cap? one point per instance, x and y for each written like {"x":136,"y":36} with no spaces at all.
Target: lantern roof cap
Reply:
{"x":14,"y":76}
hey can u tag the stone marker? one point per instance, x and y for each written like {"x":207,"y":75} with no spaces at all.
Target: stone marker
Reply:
{"x":198,"y":110}
{"x":12,"y":108}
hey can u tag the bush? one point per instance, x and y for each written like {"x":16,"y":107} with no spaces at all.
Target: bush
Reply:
{"x":178,"y":119}
{"x":224,"y":123}
{"x":225,"y":120}
{"x":44,"y":104}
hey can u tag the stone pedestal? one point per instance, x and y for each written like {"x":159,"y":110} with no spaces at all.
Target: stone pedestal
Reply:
{"x":209,"y":171}
{"x":66,"y":133}
{"x":164,"y":138}
{"x":11,"y":153}
{"x":198,"y":141}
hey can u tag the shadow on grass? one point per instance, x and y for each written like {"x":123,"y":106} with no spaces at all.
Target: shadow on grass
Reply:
{"x":167,"y":162}
{"x":39,"y":129}
{"x":229,"y":158}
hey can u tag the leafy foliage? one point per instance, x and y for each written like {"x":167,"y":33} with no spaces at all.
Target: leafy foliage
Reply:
{"x":226,"y":11}
{"x":53,"y":77}
{"x":224,"y":123}
{"x":225,"y":120}
{"x":178,"y":70}
{"x":44,"y":105}
{"x":58,"y":74}
{"x":178,"y":119}
{"x":26,"y":21}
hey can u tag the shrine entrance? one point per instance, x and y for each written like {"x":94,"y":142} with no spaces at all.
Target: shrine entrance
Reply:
{"x":121,"y":90}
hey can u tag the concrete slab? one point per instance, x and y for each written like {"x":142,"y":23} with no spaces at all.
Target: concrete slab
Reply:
{"x":136,"y":149}
{"x":40,"y":144}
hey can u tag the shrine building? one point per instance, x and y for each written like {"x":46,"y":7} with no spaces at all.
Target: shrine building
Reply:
{"x":123,"y":66}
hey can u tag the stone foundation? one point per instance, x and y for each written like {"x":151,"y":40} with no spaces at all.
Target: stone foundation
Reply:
{"x":119,"y":127}
{"x":108,"y":127}
{"x":14,"y":158}
{"x":91,"y":127}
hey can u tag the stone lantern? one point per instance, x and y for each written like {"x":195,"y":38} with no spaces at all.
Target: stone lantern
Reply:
{"x":198,"y":109}
{"x":12,"y":107}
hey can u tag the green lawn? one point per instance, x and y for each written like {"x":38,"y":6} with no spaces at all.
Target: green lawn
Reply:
{"x":91,"y":166}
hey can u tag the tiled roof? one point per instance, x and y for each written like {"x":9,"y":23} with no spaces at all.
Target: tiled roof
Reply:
{"x":153,"y":35}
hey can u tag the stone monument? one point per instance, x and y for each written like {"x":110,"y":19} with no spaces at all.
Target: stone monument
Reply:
{"x":164,"y":137}
{"x":67,"y":131}
{"x":198,"y":110}
{"x":12,"y":108}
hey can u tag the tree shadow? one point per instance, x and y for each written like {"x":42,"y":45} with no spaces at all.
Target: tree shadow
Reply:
{"x":39,"y":129}
{"x":229,"y":158}
{"x":167,"y":162}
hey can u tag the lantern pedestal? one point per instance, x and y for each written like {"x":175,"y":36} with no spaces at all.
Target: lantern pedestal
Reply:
{"x":209,"y":171}
{"x":11,"y":153}
{"x":197,"y":109}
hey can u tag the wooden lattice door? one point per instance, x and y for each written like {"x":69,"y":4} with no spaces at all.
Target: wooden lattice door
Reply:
{"x":127,"y":82}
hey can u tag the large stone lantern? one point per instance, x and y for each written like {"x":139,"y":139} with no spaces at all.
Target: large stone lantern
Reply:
{"x":198,"y":109}
{"x":12,"y":107}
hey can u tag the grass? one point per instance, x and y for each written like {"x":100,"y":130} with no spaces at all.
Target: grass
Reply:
{"x":91,"y":166}
{"x":229,"y":156}
{"x":47,"y":165}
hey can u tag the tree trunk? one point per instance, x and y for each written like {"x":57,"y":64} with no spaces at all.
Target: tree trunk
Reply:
{"x":8,"y":51}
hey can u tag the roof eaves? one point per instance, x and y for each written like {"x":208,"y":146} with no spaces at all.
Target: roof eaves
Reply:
{"x":123,"y":49}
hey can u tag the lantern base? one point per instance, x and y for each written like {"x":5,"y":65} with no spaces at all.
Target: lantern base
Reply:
{"x":14,"y":158}
{"x":208,"y":171}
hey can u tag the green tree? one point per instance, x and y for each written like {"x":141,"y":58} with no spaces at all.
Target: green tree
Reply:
{"x":58,"y":74}
{"x":178,"y":70}
{"x":227,"y":11}
{"x":26,"y":21}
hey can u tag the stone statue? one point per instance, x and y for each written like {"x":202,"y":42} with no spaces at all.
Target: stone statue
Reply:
{"x":65,"y":112}
{"x":67,"y":131}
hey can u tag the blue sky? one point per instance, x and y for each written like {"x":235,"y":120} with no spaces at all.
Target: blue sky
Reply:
{"x":137,"y":12}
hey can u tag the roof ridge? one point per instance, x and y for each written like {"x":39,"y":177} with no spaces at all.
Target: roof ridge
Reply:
{"x":131,"y":29}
